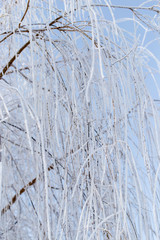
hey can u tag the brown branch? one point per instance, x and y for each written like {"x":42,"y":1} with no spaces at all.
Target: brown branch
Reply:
{"x":55,"y":20}
{"x":22,"y":190}
{"x":6,"y":37}
{"x":13,"y":59}
{"x":33,"y":181}
{"x":19,"y":23}
{"x":24,"y":13}
{"x":24,"y":46}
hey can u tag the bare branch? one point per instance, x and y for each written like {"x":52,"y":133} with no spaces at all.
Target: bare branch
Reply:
{"x":24,"y":13}
{"x":13,"y":59}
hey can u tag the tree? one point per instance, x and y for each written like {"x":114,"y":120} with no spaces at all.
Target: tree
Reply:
{"x":79,"y":126}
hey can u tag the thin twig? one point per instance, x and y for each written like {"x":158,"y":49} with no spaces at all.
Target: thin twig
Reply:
{"x":6,"y":37}
{"x":24,"y":13}
{"x":125,"y":7}
{"x":55,"y":20}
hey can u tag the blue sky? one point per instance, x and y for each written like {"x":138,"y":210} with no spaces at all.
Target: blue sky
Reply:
{"x":151,"y":39}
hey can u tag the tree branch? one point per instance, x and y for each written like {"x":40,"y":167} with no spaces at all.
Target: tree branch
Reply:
{"x":22,"y":190}
{"x":24,"y":13}
{"x":13,"y":59}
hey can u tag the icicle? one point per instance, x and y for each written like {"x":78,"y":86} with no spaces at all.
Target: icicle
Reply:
{"x":99,"y":46}
{"x":93,"y":63}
